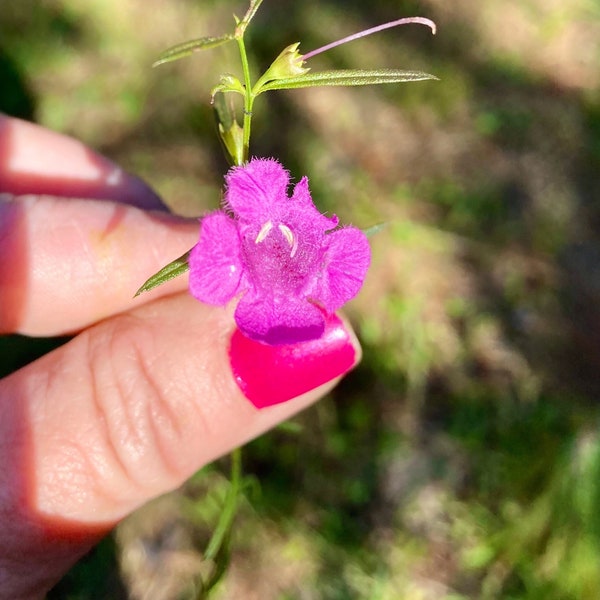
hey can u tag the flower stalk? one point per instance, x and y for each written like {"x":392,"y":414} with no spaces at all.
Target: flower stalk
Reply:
{"x":287,"y":71}
{"x":248,"y":100}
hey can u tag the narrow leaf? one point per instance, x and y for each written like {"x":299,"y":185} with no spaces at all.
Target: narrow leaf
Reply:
{"x":371,"y":231}
{"x":254,"y":4}
{"x":346,"y":77}
{"x":178,"y":267}
{"x":186,"y":48}
{"x":224,"y":113}
{"x":230,"y":133}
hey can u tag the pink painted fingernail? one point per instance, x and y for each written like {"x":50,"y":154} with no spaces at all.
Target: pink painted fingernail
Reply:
{"x":270,"y":375}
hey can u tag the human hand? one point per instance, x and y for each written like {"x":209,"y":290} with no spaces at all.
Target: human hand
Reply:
{"x":144,"y":395}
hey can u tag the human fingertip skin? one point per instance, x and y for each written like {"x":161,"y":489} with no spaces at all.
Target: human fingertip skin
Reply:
{"x":272,"y":374}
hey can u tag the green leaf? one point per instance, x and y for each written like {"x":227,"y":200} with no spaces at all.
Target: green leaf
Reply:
{"x":241,"y":28}
{"x":186,"y":48}
{"x":371,"y":231}
{"x":346,"y":77}
{"x":230,"y":133}
{"x":178,"y":267}
{"x":228,"y":83}
{"x":224,"y":112}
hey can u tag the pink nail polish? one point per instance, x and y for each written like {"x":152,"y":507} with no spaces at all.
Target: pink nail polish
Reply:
{"x":269,"y":375}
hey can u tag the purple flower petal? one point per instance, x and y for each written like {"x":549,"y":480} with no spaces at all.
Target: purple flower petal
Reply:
{"x":255,"y":190}
{"x":215,"y":265}
{"x":280,"y":320}
{"x":276,"y":249}
{"x":302,"y":204}
{"x":283,"y":264}
{"x":346,"y":260}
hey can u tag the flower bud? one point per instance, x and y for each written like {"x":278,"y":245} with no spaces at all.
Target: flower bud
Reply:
{"x":287,"y":64}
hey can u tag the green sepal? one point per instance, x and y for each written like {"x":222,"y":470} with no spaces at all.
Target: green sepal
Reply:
{"x":175,"y":268}
{"x":345,"y":77}
{"x":224,"y":113}
{"x":187,"y":48}
{"x":233,"y":141}
{"x":230,"y":132}
{"x":287,"y":65}
{"x":228,"y":83}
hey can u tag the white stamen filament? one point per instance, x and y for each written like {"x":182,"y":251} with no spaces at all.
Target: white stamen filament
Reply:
{"x":264,"y":232}
{"x":290,"y":237}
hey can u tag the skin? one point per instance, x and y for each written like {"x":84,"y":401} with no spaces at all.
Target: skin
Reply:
{"x":141,"y":398}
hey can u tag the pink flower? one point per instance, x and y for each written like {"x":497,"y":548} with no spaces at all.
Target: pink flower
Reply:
{"x":287,"y":262}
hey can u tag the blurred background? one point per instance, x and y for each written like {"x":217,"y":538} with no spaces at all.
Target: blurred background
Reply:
{"x":461,"y":459}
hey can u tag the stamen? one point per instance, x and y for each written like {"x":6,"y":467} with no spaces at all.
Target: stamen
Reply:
{"x":290,"y":237}
{"x":421,"y":20}
{"x":264,"y":232}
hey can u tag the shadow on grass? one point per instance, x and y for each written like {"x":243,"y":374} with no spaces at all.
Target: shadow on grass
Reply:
{"x":16,"y":99}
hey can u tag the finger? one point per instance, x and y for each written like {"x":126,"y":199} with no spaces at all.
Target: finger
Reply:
{"x":34,"y":160}
{"x":69,"y":263}
{"x":126,"y":411}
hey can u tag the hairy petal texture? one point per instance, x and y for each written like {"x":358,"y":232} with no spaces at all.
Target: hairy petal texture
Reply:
{"x":280,"y":320}
{"x":345,"y":263}
{"x":215,"y":261}
{"x":302,"y":201}
{"x":255,"y":190}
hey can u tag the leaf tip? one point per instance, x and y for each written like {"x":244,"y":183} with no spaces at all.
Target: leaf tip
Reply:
{"x":371,"y":231}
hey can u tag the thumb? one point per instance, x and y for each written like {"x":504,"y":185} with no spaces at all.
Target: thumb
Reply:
{"x":128,"y":410}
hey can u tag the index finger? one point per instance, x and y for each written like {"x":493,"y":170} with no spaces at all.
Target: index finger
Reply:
{"x":34,"y":160}
{"x":69,"y":262}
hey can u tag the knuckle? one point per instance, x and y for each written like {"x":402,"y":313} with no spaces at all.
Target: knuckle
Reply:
{"x":144,"y":416}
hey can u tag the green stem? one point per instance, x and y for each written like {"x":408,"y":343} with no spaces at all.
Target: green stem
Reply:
{"x":254,"y":4}
{"x":248,"y":100}
{"x":217,"y":549}
{"x":229,"y":509}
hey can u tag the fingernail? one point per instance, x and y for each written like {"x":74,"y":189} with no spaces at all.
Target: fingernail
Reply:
{"x":270,"y":375}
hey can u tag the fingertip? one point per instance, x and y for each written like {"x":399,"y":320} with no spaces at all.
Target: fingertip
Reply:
{"x":35,"y":160}
{"x":274,"y":374}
